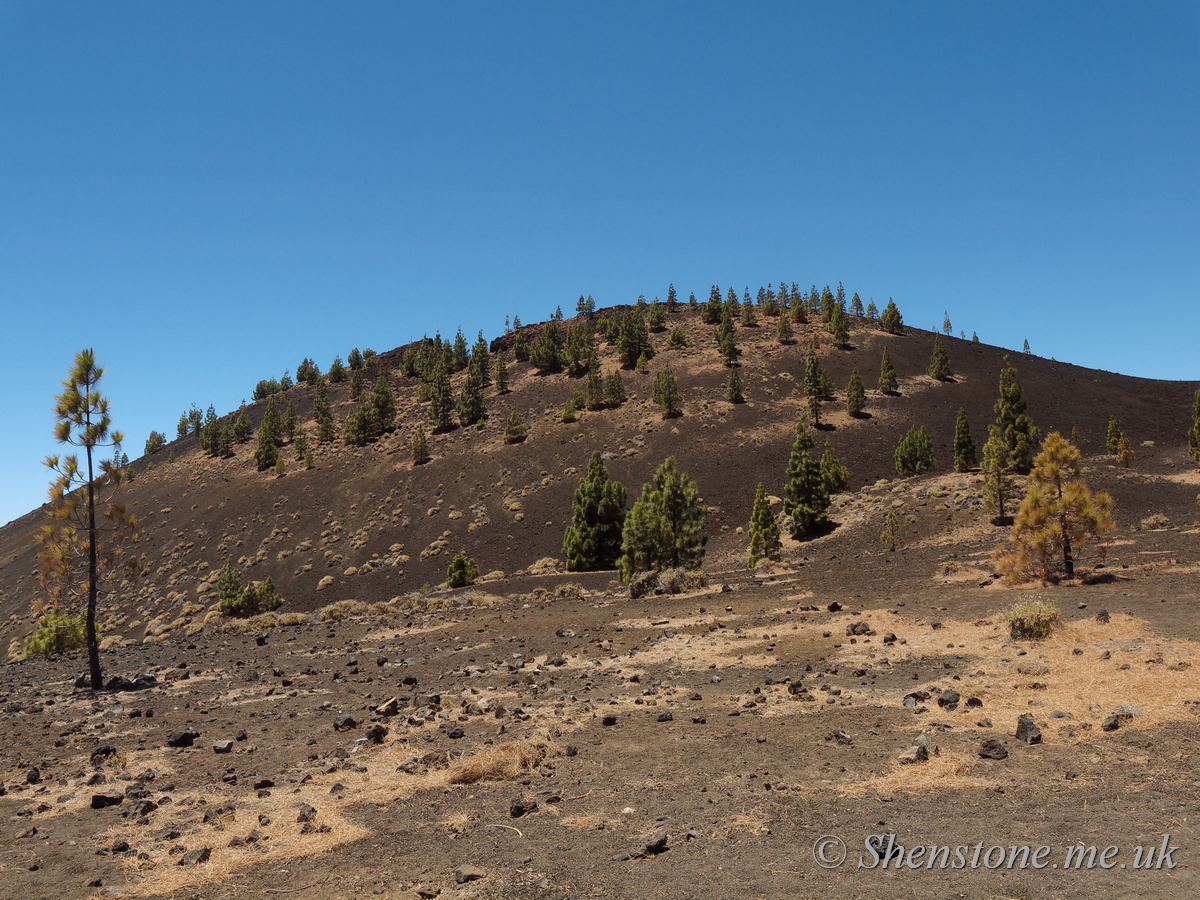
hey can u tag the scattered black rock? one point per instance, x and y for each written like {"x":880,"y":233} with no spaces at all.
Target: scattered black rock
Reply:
{"x":103,"y":801}
{"x":993,"y":749}
{"x":609,"y":720}
{"x":195,"y":857}
{"x":1027,"y":731}
{"x":949,"y":700}
{"x":664,"y":715}
{"x":183,"y":739}
{"x":652,"y":846}
{"x":1102,"y":617}
{"x":522,"y":806}
{"x":464,"y":874}
{"x":345,"y":722}
{"x":1111,"y":723}
{"x":376,"y":733}
{"x":306,"y":814}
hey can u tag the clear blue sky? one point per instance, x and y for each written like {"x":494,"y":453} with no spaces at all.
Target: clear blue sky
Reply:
{"x":206,"y":193}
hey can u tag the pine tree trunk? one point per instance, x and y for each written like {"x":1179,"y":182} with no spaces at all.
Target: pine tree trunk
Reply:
{"x":1068,"y":556}
{"x":92,"y":644}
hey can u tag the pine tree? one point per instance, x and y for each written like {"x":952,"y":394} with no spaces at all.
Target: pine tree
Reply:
{"x":834,"y":476}
{"x":580,"y":350}
{"x":501,"y":373}
{"x":891,"y":321}
{"x":672,"y":298}
{"x":783,"y":328}
{"x":764,"y":530}
{"x":748,"y":318}
{"x":593,"y":539}
{"x":269,"y":437}
{"x":280,"y":466}
{"x":568,"y":412}
{"x":470,"y":400}
{"x":974,"y":337}
{"x":733,"y":386}
{"x":290,"y":422}
{"x":355,"y":360}
{"x":1056,"y":517}
{"x":828,"y":304}
{"x":1114,"y":435}
{"x":692,"y":300}
{"x":1026,"y":348}
{"x":887,"y":374}
{"x":964,"y":447}
{"x":441,"y":404}
{"x":997,"y":481}
{"x":546,"y":353}
{"x":939,"y":361}
{"x":480,"y":358}
{"x":337,"y":371}
{"x":633,"y":341}
{"x":1124,"y":451}
{"x":805,"y":497}
{"x":662,"y":529}
{"x":711,"y":314}
{"x":461,"y":572}
{"x":1194,"y":431}
{"x":420,"y":447}
{"x":514,"y":429}
{"x":891,"y":531}
{"x":210,"y":432}
{"x":1016,"y":428}
{"x":586,"y":307}
{"x":356,"y":383}
{"x":614,"y":389}
{"x":242,"y":428}
{"x":947,"y":328}
{"x":520,"y":346}
{"x":308,"y":459}
{"x":856,"y":395}
{"x":812,"y":370}
{"x":839,"y":326}
{"x":656,"y":316}
{"x":361,"y":425}
{"x":914,"y":454}
{"x":872,"y":311}
{"x":856,"y":305}
{"x":459,"y":358}
{"x":666,"y":392}
{"x":83,"y":561}
{"x":677,"y":340}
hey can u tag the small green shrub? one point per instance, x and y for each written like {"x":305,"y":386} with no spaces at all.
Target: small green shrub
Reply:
{"x":462,"y":571}
{"x":1158,"y":520}
{"x":256,"y":597}
{"x":57,"y":633}
{"x":1031,"y":621}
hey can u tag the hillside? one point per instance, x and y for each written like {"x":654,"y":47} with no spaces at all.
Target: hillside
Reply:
{"x":508,"y":505}
{"x":540,"y":734}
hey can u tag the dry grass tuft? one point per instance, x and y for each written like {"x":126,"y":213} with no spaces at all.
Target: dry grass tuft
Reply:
{"x":946,"y":771}
{"x":500,"y":763}
{"x":755,"y":821}
{"x":335,"y":612}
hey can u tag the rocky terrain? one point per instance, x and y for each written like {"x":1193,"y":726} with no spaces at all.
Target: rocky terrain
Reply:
{"x":540,"y":734}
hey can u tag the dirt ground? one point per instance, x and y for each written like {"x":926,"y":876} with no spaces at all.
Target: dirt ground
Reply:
{"x":549,"y":737}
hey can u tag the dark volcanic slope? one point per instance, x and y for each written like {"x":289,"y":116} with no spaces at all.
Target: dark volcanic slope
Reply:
{"x":507,"y":506}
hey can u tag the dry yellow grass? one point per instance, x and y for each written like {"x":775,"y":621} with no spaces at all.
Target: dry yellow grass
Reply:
{"x":946,"y":771}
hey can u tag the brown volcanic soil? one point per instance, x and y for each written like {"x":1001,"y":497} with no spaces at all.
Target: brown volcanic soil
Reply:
{"x":781,"y":727}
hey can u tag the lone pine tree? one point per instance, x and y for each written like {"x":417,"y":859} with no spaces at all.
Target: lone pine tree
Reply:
{"x":887,"y":374}
{"x":593,"y":539}
{"x":939,"y":361}
{"x":805,"y":496}
{"x":662,"y":531}
{"x":1056,"y":517}
{"x":82,"y":560}
{"x":964,"y":447}
{"x":914,"y":454}
{"x":666,"y":392}
{"x":514,"y":429}
{"x":891,"y":321}
{"x":764,"y":530}
{"x":733,"y":386}
{"x":856,"y":395}
{"x":1113,"y":438}
{"x":420,"y":447}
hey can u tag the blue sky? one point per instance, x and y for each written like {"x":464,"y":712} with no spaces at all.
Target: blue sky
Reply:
{"x":207,"y":193}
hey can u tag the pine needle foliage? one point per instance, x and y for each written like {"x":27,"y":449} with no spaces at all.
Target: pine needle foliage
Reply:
{"x":764,"y":530}
{"x":666,"y":392}
{"x":805,"y":496}
{"x":914,"y":454}
{"x":1017,"y":430}
{"x":887,"y":373}
{"x":939,"y":361}
{"x":420,"y":447}
{"x":856,"y":395}
{"x":964,"y":447}
{"x":514,"y":429}
{"x":593,"y":539}
{"x":1058,"y":515}
{"x":662,"y":531}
